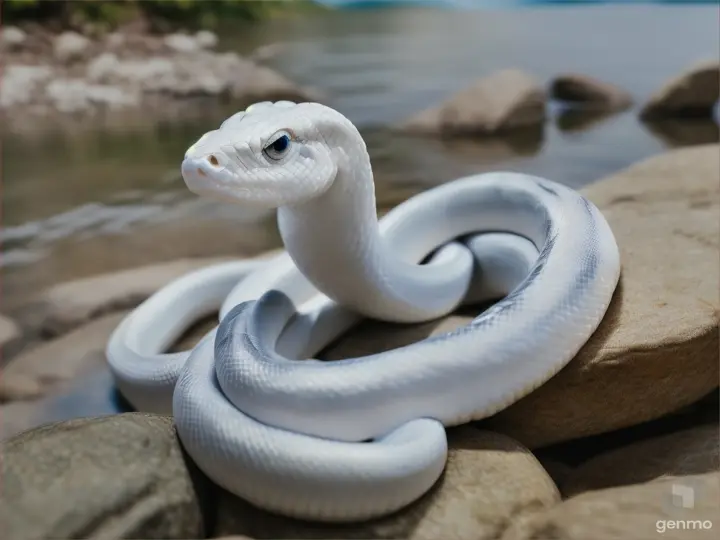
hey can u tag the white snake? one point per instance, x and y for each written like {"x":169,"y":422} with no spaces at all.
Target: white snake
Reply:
{"x":361,"y":437}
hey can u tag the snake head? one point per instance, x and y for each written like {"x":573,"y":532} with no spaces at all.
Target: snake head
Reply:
{"x":269,"y":155}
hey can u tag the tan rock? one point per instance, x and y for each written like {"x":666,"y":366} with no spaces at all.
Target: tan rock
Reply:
{"x":260,"y":83}
{"x":40,"y":370}
{"x":589,"y":92}
{"x":650,"y":510}
{"x":657,"y":349}
{"x":121,"y":476}
{"x":70,"y":304}
{"x":689,"y":452}
{"x":691,"y":94}
{"x":489,"y":481}
{"x":501,"y":102}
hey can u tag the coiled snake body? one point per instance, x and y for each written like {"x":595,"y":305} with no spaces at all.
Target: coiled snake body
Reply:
{"x":360,"y":437}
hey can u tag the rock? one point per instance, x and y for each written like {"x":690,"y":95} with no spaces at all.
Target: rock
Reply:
{"x":147,"y":75}
{"x":489,"y":480}
{"x":121,"y":476}
{"x":255,"y":82}
{"x":9,"y":331}
{"x":115,"y":40}
{"x":38,"y":371}
{"x":656,"y":350}
{"x":691,"y":94}
{"x":70,"y":46}
{"x":501,"y":102}
{"x":182,"y":43}
{"x":650,"y":510}
{"x":19,"y":84}
{"x":589,"y":92}
{"x":76,"y":95}
{"x":265,"y":53}
{"x":70,"y":304}
{"x":12,"y":38}
{"x":200,"y":74}
{"x":688,"y":452}
{"x":206,"y":39}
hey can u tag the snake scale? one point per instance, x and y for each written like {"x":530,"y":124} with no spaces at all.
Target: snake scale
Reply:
{"x":360,"y":437}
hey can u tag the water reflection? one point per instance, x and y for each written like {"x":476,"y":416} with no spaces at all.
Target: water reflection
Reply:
{"x":675,"y":133}
{"x":575,"y":120}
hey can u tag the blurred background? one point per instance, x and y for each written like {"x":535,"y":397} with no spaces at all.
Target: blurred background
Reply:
{"x":100,"y":99}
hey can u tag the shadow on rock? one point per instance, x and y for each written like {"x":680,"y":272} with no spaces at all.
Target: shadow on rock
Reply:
{"x":574,"y":120}
{"x":687,"y":132}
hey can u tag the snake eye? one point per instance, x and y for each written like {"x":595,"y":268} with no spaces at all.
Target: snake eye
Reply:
{"x":278,"y":146}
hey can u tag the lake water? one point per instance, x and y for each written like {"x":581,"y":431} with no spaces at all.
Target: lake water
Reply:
{"x":93,"y":201}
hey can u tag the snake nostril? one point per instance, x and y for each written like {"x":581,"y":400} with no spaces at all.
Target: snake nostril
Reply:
{"x":201,"y":172}
{"x":213,"y":160}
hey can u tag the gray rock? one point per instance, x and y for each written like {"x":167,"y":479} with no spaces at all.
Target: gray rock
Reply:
{"x":182,"y":43}
{"x":501,"y":102}
{"x":40,"y":370}
{"x":691,"y":94}
{"x":589,"y":92}
{"x":76,"y":95}
{"x":20,"y":84}
{"x":206,"y":39}
{"x":12,"y":38}
{"x":489,"y":481}
{"x":120,"y":476}
{"x":115,"y":40}
{"x":70,"y":46}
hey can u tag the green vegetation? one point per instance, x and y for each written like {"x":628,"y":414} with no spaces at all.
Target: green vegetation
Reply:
{"x":158,"y":14}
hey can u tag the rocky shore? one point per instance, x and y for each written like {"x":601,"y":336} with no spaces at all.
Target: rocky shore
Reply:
{"x":69,"y":74}
{"x":511,"y":100}
{"x":595,"y":453}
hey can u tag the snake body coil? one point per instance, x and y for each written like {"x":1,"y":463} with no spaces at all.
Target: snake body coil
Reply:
{"x":360,"y":437}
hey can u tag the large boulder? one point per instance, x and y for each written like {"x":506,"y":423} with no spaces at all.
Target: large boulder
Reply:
{"x":682,"y":508}
{"x":497,"y":104}
{"x":121,"y":476}
{"x":489,"y":481}
{"x":589,"y":93}
{"x":656,"y":351}
{"x":691,"y":94}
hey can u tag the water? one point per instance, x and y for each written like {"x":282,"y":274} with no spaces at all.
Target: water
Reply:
{"x":85,"y":201}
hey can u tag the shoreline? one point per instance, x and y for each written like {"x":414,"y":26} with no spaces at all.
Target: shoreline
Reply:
{"x":125,"y":76}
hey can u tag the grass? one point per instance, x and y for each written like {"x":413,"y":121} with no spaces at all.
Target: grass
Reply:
{"x":160,"y":15}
